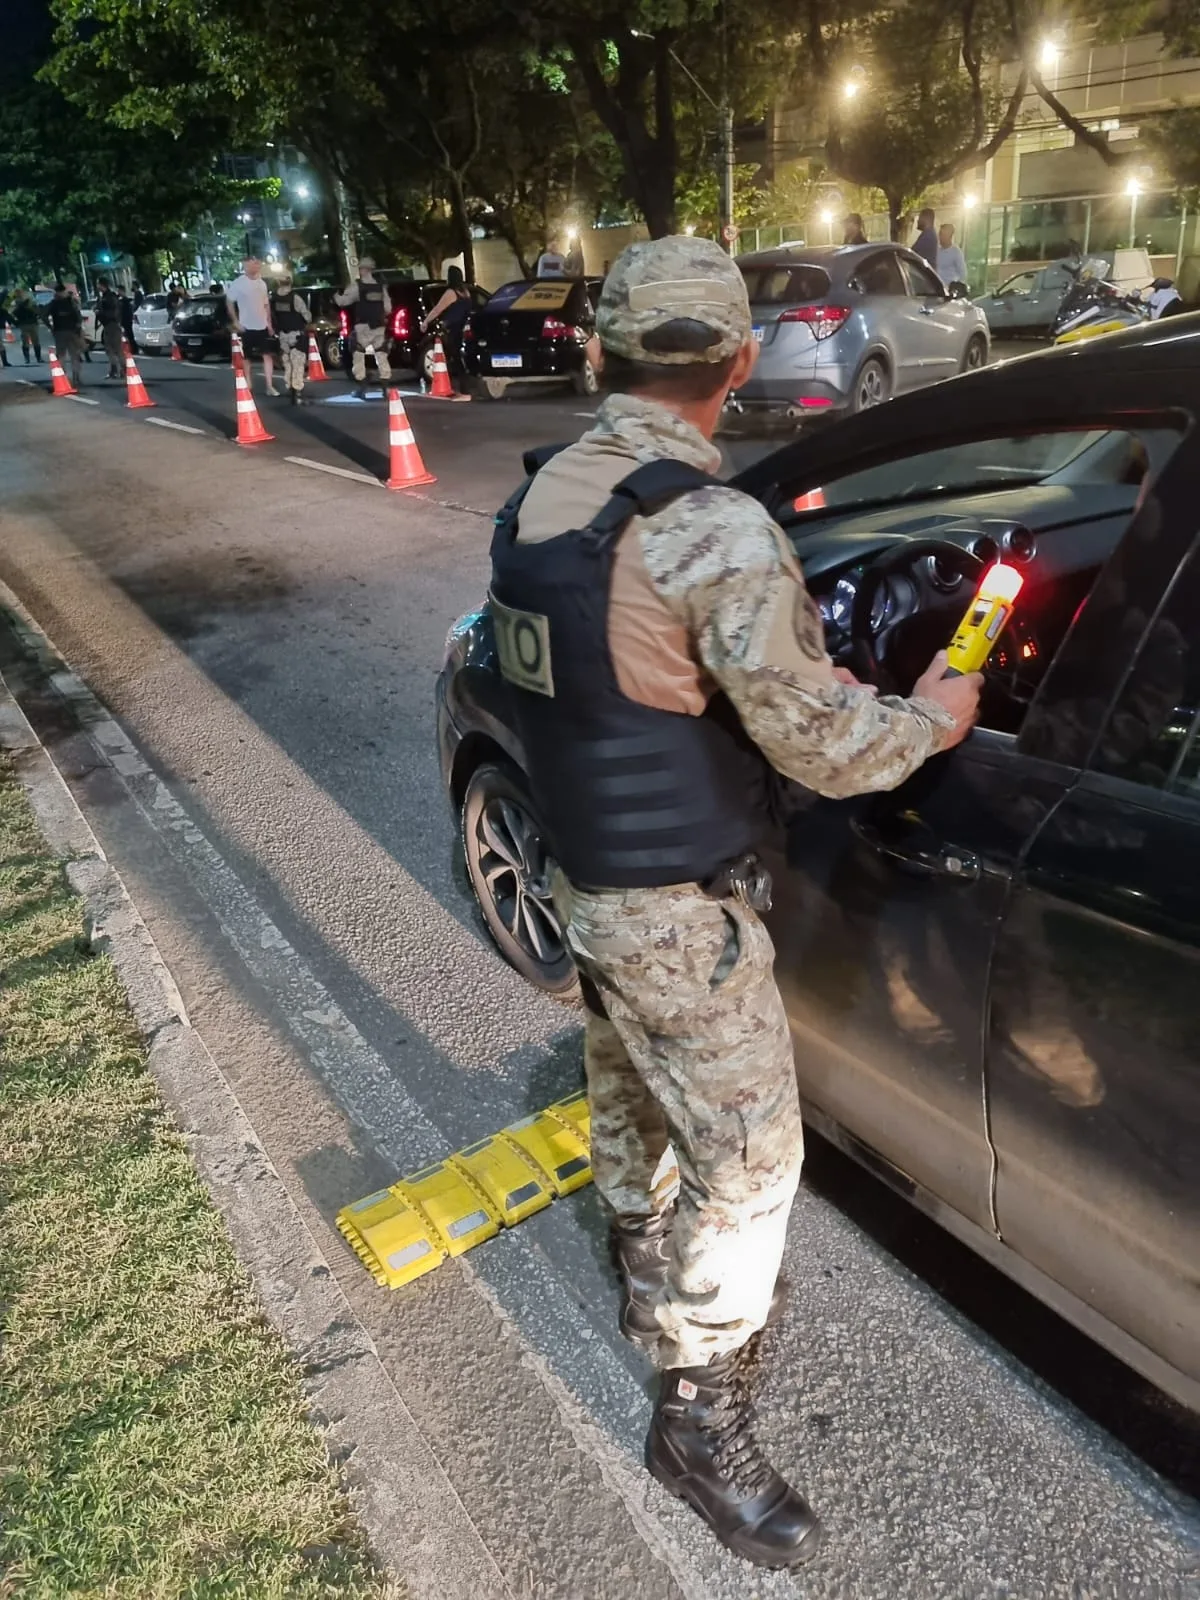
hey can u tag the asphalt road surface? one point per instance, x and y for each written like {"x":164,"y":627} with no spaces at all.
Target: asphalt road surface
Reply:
{"x":267,"y":636}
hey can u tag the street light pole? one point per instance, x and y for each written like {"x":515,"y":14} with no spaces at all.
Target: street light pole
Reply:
{"x":727,"y":222}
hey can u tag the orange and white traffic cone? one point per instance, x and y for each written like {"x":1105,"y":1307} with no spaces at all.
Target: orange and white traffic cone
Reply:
{"x":9,"y":336}
{"x":249,"y":423}
{"x":176,"y":352}
{"x":441,"y":388}
{"x":135,"y":389}
{"x":316,"y":367}
{"x":407,"y":468}
{"x":60,"y":383}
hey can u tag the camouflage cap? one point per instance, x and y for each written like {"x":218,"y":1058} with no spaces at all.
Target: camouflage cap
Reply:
{"x":675,"y":301}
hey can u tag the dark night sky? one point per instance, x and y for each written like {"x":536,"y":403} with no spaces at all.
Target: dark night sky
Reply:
{"x":25,"y":30}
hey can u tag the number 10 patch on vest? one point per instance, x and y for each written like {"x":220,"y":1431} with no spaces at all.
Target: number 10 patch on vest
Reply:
{"x":523,"y":645}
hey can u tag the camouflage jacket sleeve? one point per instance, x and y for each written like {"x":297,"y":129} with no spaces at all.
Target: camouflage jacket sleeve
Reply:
{"x":726,"y":570}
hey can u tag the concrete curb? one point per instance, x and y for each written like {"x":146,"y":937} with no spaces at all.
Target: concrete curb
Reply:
{"x":416,"y":1521}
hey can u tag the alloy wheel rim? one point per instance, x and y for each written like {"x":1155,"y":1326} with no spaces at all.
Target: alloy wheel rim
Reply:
{"x":515,"y":871}
{"x":870,"y":388}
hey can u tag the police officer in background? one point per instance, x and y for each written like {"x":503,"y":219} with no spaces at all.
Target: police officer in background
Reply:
{"x":370,"y":301}
{"x":66,"y":323}
{"x":289,"y":317}
{"x":664,"y":656}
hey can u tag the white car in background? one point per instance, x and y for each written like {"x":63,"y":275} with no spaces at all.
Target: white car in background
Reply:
{"x":152,"y":325}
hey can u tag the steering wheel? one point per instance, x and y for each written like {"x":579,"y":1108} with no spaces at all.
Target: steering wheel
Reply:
{"x":873,"y":654}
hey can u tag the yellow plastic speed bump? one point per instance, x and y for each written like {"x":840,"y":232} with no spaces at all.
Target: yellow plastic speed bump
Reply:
{"x":460,"y":1213}
{"x":504,"y":1175}
{"x":555,"y":1148}
{"x":393,"y":1240}
{"x":575,"y":1111}
{"x":403,"y":1232}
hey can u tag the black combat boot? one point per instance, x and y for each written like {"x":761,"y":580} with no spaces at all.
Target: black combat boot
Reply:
{"x":641,"y":1251}
{"x":702,"y":1449}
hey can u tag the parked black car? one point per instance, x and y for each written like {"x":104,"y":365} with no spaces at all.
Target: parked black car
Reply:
{"x":411,"y":300}
{"x":201,"y":327}
{"x":534,"y":330}
{"x":991,"y":973}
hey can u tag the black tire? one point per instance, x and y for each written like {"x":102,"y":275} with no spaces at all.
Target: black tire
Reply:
{"x":975,"y":356}
{"x":509,"y":871}
{"x":332,"y":353}
{"x":586,"y":381}
{"x":872,"y":386}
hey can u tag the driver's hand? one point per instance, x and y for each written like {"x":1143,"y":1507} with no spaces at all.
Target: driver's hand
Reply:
{"x":958,"y":696}
{"x":844,"y":675}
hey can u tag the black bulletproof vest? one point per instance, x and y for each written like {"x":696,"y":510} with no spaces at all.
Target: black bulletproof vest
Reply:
{"x":630,"y":796}
{"x":284,"y":314}
{"x":370,"y":308}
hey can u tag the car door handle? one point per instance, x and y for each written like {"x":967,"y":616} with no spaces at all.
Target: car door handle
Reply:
{"x":924,"y":859}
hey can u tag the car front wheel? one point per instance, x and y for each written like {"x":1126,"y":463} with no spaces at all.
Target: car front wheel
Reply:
{"x":871,"y":387}
{"x":976,"y":354}
{"x":509,"y":868}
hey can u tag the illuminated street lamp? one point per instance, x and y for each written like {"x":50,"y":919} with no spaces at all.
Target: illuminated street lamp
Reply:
{"x":1133,"y":188}
{"x":827,"y":219}
{"x":303,"y":191}
{"x":854,"y":82}
{"x":1048,"y":54}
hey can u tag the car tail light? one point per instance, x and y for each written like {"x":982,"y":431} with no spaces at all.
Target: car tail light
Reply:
{"x":813,"y":402}
{"x":552,"y":328}
{"x":344,"y":323}
{"x":469,"y":331}
{"x":823,"y":320}
{"x":400,"y":323}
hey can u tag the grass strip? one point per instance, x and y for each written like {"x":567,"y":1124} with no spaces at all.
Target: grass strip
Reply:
{"x":153,"y":1436}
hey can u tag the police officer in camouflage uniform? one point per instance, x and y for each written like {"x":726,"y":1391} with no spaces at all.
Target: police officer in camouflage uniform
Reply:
{"x":666,"y":662}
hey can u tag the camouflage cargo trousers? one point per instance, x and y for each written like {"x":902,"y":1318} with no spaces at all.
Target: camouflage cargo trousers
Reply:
{"x":292,"y":348}
{"x":693,"y":1051}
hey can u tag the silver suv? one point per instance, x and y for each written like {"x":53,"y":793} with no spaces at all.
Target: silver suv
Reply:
{"x":844,"y":329}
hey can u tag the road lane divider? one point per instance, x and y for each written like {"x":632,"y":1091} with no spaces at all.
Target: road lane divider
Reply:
{"x":406,"y":1230}
{"x":337,"y":472}
{"x":164,"y":422}
{"x":83,"y":400}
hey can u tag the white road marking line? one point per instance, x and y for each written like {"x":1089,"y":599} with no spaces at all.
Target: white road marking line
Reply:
{"x":28,"y":383}
{"x":81,"y":399}
{"x":338,"y":472}
{"x":180,"y":427}
{"x":590,"y":415}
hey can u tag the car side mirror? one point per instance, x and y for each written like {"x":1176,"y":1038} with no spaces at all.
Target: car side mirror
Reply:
{"x":959,"y":291}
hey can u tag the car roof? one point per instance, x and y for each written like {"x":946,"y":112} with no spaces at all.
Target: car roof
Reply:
{"x":839,"y":261}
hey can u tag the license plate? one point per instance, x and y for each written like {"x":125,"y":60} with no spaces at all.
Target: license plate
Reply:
{"x":193,"y":341}
{"x":757,"y":331}
{"x":506,"y":361}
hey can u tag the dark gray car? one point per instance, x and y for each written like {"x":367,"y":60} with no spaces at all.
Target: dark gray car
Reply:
{"x":844,"y":329}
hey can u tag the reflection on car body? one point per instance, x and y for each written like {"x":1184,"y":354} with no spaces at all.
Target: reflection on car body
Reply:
{"x":991,"y":973}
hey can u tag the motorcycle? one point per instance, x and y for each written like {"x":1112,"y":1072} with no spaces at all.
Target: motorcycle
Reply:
{"x":1092,"y":306}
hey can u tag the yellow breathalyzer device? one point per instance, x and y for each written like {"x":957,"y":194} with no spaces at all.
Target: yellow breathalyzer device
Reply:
{"x":985,"y":620}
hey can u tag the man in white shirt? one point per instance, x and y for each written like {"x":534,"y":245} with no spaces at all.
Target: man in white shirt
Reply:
{"x":249,"y":302}
{"x":951,"y":263}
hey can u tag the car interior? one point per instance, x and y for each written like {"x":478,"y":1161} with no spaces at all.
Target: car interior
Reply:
{"x":893,"y":552}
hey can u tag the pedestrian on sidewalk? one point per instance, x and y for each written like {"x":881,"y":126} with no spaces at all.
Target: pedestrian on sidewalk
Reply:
{"x":6,"y":323}
{"x":452,"y":310}
{"x":666,"y":663}
{"x":108,"y":320}
{"x":27,"y":318}
{"x":66,"y":323}
{"x":926,"y":242}
{"x":289,"y":315}
{"x":126,"y":301}
{"x":249,"y":302}
{"x":951,"y":263}
{"x":371,"y":315}
{"x":852,"y":229}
